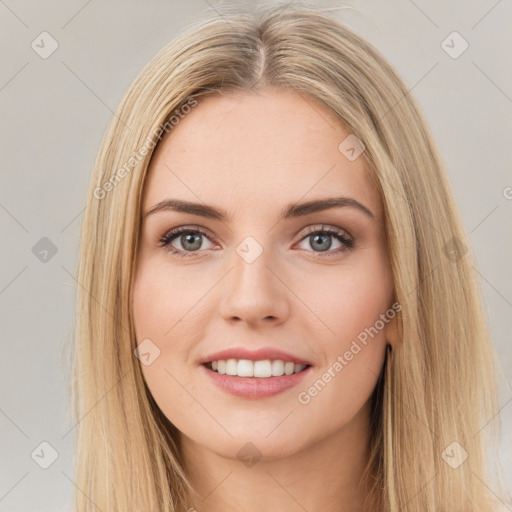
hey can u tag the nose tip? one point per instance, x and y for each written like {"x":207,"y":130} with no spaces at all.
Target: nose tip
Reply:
{"x":253,"y":294}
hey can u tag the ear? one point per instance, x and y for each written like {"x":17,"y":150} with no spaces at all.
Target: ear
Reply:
{"x":391,"y":332}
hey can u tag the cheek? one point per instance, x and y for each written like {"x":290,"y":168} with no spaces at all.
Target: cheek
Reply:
{"x":164,"y":300}
{"x":359,"y":298}
{"x":168,"y":309}
{"x":347,"y":300}
{"x":352,"y":351}
{"x":160,"y":315}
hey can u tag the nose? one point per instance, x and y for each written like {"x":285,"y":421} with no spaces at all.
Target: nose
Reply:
{"x":255,"y":293}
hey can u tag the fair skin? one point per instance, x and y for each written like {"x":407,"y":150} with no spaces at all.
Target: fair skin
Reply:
{"x":251,"y":155}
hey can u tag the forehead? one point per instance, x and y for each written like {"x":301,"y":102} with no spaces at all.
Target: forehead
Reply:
{"x":270,"y":147}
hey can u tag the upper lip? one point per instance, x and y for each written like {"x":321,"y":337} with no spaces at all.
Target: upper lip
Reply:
{"x":254,"y":355}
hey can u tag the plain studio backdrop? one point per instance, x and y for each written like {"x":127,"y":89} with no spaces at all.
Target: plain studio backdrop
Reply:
{"x":56,"y":100}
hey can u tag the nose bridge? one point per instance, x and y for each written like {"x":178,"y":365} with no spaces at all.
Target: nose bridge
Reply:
{"x":253,"y":292}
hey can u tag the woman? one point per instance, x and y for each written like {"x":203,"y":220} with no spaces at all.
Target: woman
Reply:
{"x":278,"y":309}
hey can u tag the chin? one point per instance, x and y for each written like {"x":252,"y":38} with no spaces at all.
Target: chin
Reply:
{"x":252,"y":443}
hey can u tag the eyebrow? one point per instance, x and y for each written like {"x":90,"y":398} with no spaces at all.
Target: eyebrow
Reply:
{"x":290,"y":211}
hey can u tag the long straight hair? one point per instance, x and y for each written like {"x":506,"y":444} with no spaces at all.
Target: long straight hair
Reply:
{"x":437,"y":393}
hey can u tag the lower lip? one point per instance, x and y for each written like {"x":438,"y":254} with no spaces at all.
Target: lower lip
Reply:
{"x":255,"y":387}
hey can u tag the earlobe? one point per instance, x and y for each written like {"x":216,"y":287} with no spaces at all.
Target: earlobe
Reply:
{"x":391,"y":332}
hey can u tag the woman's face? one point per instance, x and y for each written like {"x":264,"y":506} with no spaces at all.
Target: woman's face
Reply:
{"x":261,"y":273}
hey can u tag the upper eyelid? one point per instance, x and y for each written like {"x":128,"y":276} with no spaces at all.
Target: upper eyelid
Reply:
{"x":325,"y":227}
{"x":184,"y":229}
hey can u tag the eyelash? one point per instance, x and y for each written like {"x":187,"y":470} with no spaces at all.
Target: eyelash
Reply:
{"x":345,"y":239}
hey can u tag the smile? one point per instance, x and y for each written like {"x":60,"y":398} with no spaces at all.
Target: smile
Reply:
{"x":255,"y":379}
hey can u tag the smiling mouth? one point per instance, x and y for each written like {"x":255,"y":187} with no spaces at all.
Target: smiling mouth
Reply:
{"x":258,"y":369}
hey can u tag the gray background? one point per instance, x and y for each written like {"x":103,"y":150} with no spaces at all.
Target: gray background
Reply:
{"x":54,"y":112}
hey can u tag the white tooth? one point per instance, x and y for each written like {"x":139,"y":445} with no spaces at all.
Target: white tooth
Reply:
{"x":231,"y":367}
{"x":245,"y":368}
{"x":263,"y":368}
{"x":288,"y":368}
{"x":277,"y":368}
{"x":299,"y":367}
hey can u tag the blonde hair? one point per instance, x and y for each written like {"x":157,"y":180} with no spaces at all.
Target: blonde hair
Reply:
{"x":438,"y":384}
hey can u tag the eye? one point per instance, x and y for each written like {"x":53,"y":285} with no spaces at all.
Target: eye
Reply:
{"x":190,"y":239}
{"x":321,"y":239}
